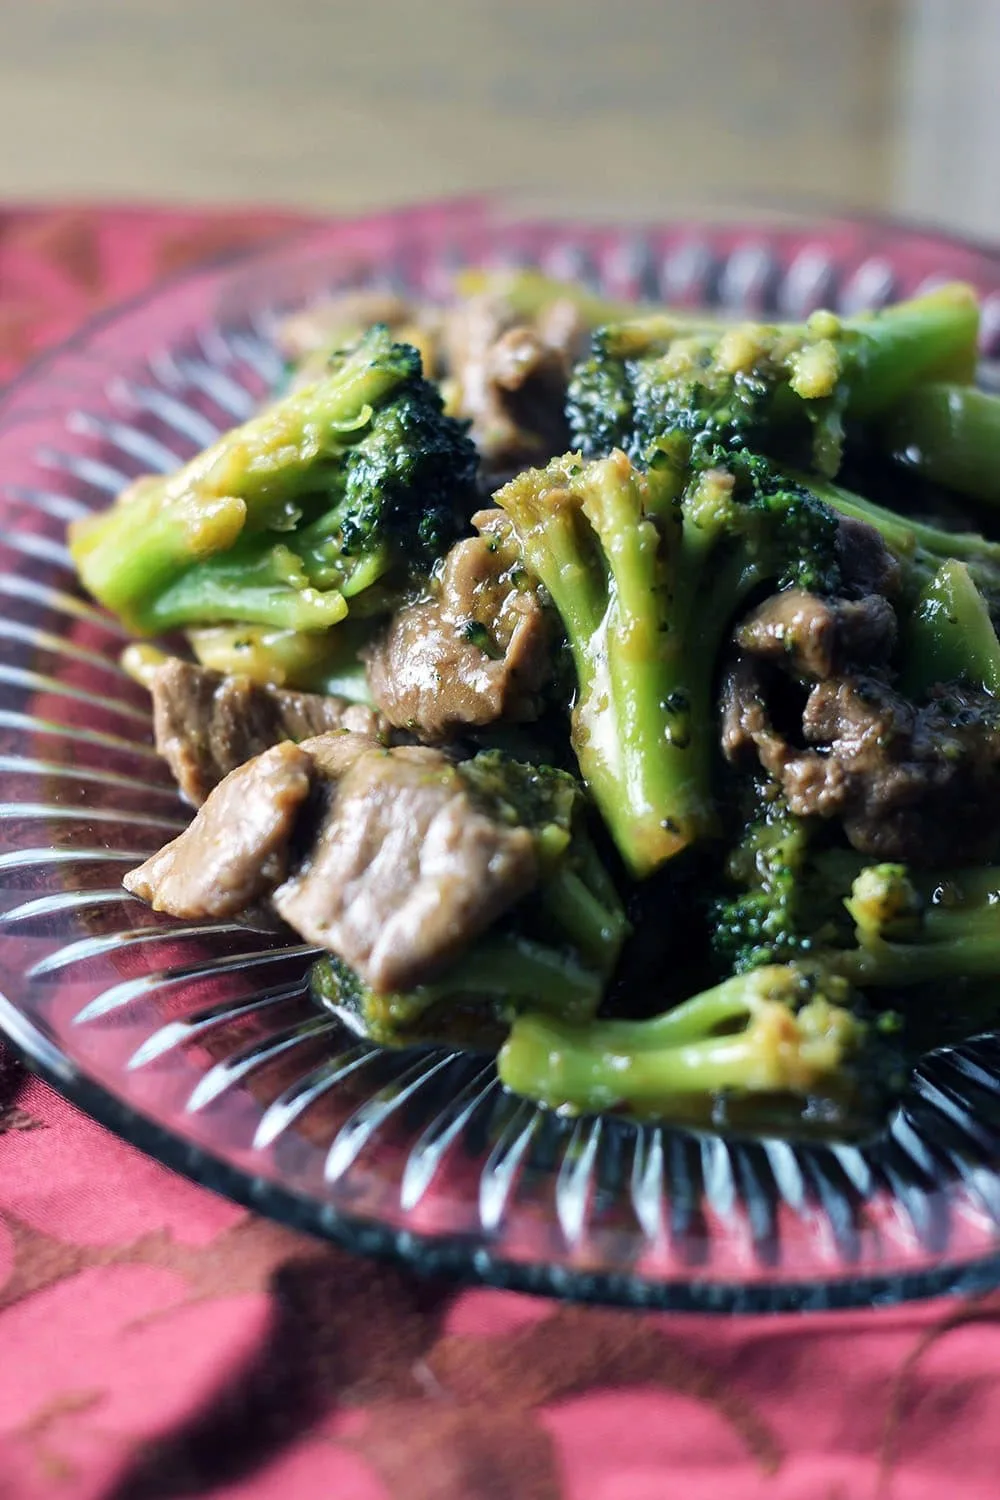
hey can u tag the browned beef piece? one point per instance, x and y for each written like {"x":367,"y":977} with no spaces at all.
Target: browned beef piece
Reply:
{"x":206,"y":724}
{"x":332,"y":753}
{"x":745,"y":718}
{"x":478,"y":651}
{"x":318,"y":328}
{"x":916,"y":784}
{"x":405,"y":870}
{"x":510,"y":378}
{"x":866,"y":564}
{"x":235,"y":851}
{"x":813,"y":637}
{"x":923,"y":783}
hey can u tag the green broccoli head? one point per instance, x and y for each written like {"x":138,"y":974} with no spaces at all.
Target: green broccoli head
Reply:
{"x":913,"y":930}
{"x":685,"y":384}
{"x":760,"y":923}
{"x":403,"y":493}
{"x":282,"y":520}
{"x":883,"y":926}
{"x":786,"y":900}
{"x":647,"y":571}
{"x":766,"y":385}
{"x":600,"y":406}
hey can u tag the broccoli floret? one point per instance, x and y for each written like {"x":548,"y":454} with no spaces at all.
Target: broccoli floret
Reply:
{"x":646,"y":571}
{"x":764,"y":385}
{"x":403,"y":485}
{"x":789,"y":896}
{"x":761,"y":924}
{"x":776,"y":1030}
{"x":577,"y":902}
{"x":284,"y":519}
{"x":883,"y":925}
{"x":912,"y":931}
{"x":556,"y":951}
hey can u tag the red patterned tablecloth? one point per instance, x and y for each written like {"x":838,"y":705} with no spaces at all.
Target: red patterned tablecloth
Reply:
{"x":156,"y":1341}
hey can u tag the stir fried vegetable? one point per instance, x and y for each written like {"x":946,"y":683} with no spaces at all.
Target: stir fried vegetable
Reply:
{"x":674,"y":771}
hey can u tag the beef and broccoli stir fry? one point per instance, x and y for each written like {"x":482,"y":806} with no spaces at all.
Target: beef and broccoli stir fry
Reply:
{"x":609,"y":688}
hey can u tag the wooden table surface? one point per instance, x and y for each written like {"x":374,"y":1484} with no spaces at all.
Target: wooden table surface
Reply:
{"x":652,"y":106}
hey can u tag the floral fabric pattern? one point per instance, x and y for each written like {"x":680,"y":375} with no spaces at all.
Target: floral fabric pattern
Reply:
{"x":156,"y":1341}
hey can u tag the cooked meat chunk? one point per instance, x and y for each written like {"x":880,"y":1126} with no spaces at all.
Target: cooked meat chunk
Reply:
{"x":307,"y":338}
{"x":920,"y":784}
{"x":745,"y":719}
{"x":477,"y":652}
{"x":506,"y":376}
{"x":562,"y":326}
{"x":206,"y":724}
{"x":332,"y":753}
{"x":235,"y":851}
{"x":923,"y":783}
{"x":510,"y":378}
{"x":406,"y":869}
{"x":318,"y":328}
{"x":866,"y":564}
{"x":813,"y":637}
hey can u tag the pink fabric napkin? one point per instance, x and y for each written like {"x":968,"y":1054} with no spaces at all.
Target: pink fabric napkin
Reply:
{"x":157,"y":1341}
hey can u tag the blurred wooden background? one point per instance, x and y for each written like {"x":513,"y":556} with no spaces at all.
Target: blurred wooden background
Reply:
{"x":641,"y":105}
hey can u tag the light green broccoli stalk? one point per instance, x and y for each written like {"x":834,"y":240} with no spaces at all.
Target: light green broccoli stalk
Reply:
{"x":283,"y":520}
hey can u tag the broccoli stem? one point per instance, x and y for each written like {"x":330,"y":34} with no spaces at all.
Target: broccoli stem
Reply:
{"x":949,"y":434}
{"x":506,"y":970}
{"x":142,"y":543}
{"x":949,"y":636}
{"x":246,"y":481}
{"x":648,"y":706}
{"x":529,"y":293}
{"x":742,"y":1036}
{"x":264,"y":585}
{"x":595,"y":927}
{"x":513,"y":969}
{"x":934,"y":337}
{"x":633,"y":690}
{"x":312,"y":661}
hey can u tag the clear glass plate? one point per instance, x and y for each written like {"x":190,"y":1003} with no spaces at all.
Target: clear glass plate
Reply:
{"x":200,"y":1042}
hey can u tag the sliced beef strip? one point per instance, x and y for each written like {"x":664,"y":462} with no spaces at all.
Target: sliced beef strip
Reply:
{"x":510,"y":377}
{"x":812,"y":637}
{"x":922,"y":782}
{"x":562,"y":326}
{"x":745,"y":718}
{"x":316,"y":329}
{"x":334,"y":752}
{"x":405,"y":870}
{"x":207,"y":724}
{"x":308,"y":337}
{"x":477,"y":652}
{"x":919,"y":784}
{"x":866,"y":564}
{"x":235,"y":851}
